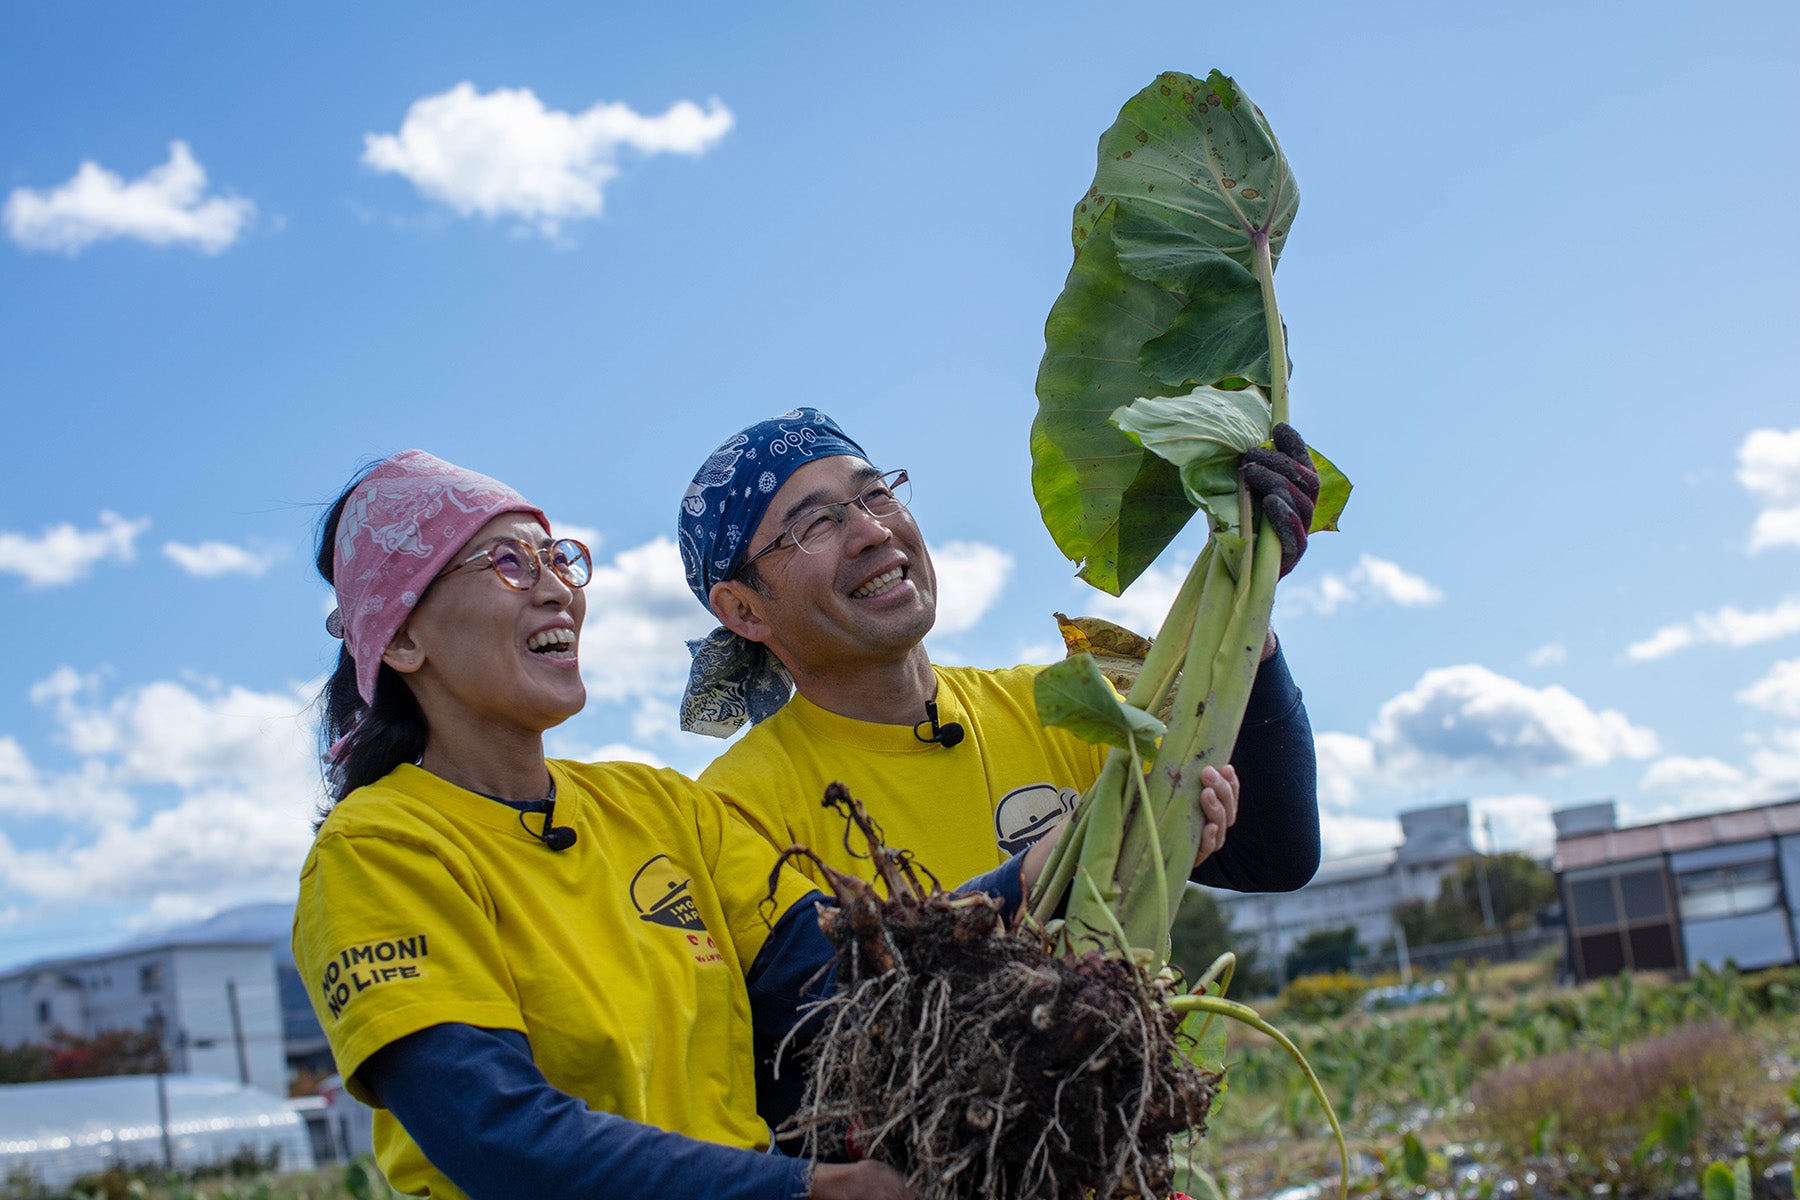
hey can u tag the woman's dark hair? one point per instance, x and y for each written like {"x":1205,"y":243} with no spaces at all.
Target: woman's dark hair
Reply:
{"x":376,"y":738}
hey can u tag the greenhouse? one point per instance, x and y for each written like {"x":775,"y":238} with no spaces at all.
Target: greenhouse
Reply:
{"x":57,"y":1132}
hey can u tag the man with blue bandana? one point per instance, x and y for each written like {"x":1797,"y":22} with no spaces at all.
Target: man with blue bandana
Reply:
{"x":809,"y":558}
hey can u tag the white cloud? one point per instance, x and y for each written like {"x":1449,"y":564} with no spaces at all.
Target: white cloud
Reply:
{"x":63,"y":554}
{"x":970,"y":578}
{"x":1729,"y":626}
{"x":1548,"y":655}
{"x":1518,"y":822}
{"x":1678,"y":773}
{"x":1775,"y":527}
{"x":1470,"y":718}
{"x":640,"y":614}
{"x":1145,"y":603}
{"x":622,"y":752}
{"x":191,"y":792}
{"x":167,"y":205}
{"x":1769,"y":467}
{"x":1345,"y":762}
{"x":1769,"y":464}
{"x":1371,"y":579}
{"x":209,"y":560}
{"x":587,"y":535}
{"x":1775,"y":764}
{"x":1778,"y":691}
{"x":503,"y":154}
{"x":1342,"y":835}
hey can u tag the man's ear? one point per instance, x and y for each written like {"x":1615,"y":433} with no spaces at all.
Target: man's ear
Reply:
{"x":739,"y":608}
{"x":403,"y":653}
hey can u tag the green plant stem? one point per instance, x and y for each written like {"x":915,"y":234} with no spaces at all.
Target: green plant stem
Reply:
{"x":1243,"y":1013}
{"x":1263,"y":264}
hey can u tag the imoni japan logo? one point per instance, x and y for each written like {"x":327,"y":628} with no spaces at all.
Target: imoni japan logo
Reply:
{"x":1025,"y":814}
{"x":659,"y":892}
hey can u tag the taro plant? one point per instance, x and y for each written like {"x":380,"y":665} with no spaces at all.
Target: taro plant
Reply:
{"x":1165,"y":360}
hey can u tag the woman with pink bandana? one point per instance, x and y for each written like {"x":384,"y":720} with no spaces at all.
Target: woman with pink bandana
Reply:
{"x":548,"y":977}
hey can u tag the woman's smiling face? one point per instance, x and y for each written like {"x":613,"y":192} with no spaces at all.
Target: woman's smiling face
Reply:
{"x":480,"y":654}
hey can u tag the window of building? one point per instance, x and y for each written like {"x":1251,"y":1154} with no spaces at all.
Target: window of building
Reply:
{"x":150,"y":978}
{"x":1622,"y":920}
{"x":1729,"y":891}
{"x":43,"y":1011}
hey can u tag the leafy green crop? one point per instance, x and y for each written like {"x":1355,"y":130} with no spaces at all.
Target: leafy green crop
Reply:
{"x":1157,"y":375}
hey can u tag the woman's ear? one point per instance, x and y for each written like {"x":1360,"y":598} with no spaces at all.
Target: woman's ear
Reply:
{"x":403,"y":652}
{"x":739,"y":608}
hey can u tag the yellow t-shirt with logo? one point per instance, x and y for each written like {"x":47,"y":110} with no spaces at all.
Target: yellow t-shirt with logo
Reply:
{"x":621,"y":959}
{"x":962,"y":809}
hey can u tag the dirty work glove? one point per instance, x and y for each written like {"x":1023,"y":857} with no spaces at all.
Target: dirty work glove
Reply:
{"x":1284,"y":486}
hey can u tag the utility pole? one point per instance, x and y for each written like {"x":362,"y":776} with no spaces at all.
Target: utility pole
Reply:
{"x":237,"y":1032}
{"x":1487,"y":821}
{"x":162,"y":1091}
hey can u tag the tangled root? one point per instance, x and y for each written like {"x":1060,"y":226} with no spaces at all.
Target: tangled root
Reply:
{"x":979,"y":1063}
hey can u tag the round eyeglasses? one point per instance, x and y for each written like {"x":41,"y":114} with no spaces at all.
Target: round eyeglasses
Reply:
{"x":818,"y":528}
{"x":517,"y":564}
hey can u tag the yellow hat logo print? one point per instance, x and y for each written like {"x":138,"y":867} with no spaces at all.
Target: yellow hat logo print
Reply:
{"x":659,"y":891}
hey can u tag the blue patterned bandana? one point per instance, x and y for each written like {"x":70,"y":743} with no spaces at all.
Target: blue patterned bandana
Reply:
{"x":733,"y":680}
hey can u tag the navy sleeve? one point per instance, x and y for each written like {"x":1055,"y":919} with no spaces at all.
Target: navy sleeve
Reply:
{"x":477,"y":1105}
{"x":797,"y":966}
{"x":1274,"y":845}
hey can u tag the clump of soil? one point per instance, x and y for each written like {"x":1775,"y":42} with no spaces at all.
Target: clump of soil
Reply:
{"x":979,"y":1063}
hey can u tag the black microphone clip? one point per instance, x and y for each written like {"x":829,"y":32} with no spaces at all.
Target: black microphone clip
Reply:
{"x":557,"y":837}
{"x":945,"y":735}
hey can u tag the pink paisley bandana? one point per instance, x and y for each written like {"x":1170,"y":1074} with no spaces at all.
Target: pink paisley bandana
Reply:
{"x":402,"y":525}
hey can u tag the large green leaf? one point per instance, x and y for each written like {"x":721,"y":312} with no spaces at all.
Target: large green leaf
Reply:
{"x":1198,"y":179}
{"x":1202,"y":434}
{"x":1108,"y":505}
{"x":1200,"y":158}
{"x":1074,"y":695}
{"x":1334,"y":493}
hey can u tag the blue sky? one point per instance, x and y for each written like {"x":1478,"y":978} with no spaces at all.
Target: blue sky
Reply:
{"x":1539,"y":295}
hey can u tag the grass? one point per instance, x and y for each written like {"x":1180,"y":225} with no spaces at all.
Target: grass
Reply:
{"x":1511,"y":1077}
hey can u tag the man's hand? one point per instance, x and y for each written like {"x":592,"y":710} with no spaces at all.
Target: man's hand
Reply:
{"x":1284,"y":487}
{"x":1219,"y":804}
{"x":858,"y":1181}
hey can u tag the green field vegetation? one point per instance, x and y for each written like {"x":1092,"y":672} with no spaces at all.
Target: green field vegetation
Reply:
{"x":1507,"y":1086}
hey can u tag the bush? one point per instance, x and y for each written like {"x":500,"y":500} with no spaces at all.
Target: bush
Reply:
{"x":1579,"y":1119}
{"x":1322,"y":997}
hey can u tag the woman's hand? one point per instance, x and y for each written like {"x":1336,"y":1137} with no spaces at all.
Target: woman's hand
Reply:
{"x":858,"y":1181}
{"x":1219,"y":804}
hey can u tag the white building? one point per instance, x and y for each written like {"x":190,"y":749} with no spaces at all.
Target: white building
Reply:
{"x":1360,"y":891}
{"x":215,"y":1002}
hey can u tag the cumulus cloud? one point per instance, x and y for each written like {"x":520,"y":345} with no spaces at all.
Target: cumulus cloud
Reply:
{"x":204,"y":792}
{"x":1778,"y":691}
{"x":1769,"y":467}
{"x":209,"y":560}
{"x":639,"y":617}
{"x":63,"y":554}
{"x":1471,"y":718}
{"x":504,"y":154}
{"x":167,"y":205}
{"x":1372,"y":579}
{"x":1729,"y":626}
{"x":970,"y":577}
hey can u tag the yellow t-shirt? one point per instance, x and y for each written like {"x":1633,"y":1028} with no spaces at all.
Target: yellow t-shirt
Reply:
{"x":621,"y":959}
{"x":961,"y":810}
